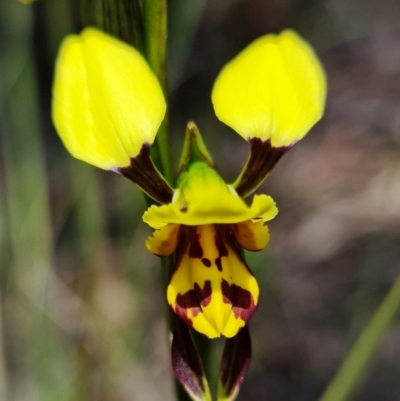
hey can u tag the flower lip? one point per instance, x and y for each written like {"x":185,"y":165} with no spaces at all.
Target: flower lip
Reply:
{"x":211,"y":287}
{"x":203,"y":197}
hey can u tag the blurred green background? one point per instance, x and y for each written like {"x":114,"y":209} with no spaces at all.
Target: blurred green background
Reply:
{"x":81,"y":302}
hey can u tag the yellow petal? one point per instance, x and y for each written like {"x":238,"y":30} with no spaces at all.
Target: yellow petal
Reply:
{"x":263,"y":208}
{"x":212,"y":289}
{"x":163,"y":241}
{"x":204,"y":198}
{"x":274,"y":89}
{"x":250,"y":235}
{"x":106,"y":101}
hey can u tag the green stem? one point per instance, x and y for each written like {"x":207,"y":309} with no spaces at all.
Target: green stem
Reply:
{"x":155,"y":36}
{"x":121,"y":18}
{"x":357,"y":360}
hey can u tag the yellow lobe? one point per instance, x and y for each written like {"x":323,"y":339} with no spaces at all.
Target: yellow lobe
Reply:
{"x":274,"y":89}
{"x":163,"y":241}
{"x":251,"y":235}
{"x":106,"y":101}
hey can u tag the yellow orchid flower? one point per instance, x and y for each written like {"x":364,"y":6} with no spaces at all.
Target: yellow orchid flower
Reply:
{"x":206,"y":224}
{"x":107,"y":108}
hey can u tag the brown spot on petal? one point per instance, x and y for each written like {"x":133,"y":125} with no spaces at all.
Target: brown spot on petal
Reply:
{"x":188,"y":300}
{"x":220,"y":244}
{"x":218,"y":263}
{"x":206,"y":262}
{"x":226,"y":292}
{"x":222,"y":250}
{"x":203,"y":294}
{"x":183,"y":303}
{"x":242,"y":300}
{"x":192,"y":300}
{"x":195,"y":249}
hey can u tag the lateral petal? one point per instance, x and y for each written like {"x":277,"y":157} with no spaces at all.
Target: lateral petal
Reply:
{"x":106,"y":101}
{"x":163,"y":241}
{"x":274,"y":89}
{"x":252,"y":236}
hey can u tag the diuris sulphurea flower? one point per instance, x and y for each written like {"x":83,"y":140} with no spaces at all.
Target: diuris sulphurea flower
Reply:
{"x":107,"y":108}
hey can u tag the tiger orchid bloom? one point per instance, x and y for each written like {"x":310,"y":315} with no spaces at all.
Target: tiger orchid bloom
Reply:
{"x":107,"y":108}
{"x":206,"y":225}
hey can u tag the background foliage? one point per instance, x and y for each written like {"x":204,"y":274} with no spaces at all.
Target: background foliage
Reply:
{"x":81,"y":309}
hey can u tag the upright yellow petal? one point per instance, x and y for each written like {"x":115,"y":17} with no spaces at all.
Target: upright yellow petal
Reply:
{"x":274,"y":89}
{"x":106,"y":101}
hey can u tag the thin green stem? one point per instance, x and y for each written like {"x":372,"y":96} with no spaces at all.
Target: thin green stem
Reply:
{"x":121,"y":18}
{"x":351,"y":372}
{"x":155,"y":36}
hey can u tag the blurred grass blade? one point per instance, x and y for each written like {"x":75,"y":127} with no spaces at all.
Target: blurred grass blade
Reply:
{"x":235,"y":362}
{"x":27,"y":208}
{"x":183,"y":22}
{"x":354,"y":366}
{"x":187,"y":365}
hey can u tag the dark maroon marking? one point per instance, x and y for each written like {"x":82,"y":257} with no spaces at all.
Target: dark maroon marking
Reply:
{"x":144,"y":173}
{"x":203,"y":294}
{"x":226,"y":292}
{"x":206,"y":262}
{"x":182,"y":313}
{"x":218,"y":263}
{"x":220,"y":244}
{"x":192,"y":299}
{"x":175,"y":259}
{"x":226,"y":233}
{"x":221,"y":248}
{"x":186,"y":301}
{"x":242,"y":300}
{"x":261,"y":161}
{"x":195,"y":249}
